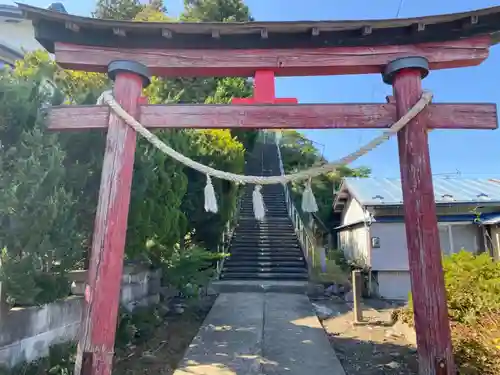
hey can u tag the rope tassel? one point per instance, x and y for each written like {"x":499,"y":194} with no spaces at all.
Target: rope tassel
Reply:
{"x":259,"y":210}
{"x":308,"y":201}
{"x":210,"y":199}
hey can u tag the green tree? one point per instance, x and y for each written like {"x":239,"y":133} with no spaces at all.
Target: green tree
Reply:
{"x":219,"y":149}
{"x":216,"y":11}
{"x":117,"y":9}
{"x":39,"y":235}
{"x":155,"y":11}
{"x":57,"y":175}
{"x":83,"y":149}
{"x":299,"y":152}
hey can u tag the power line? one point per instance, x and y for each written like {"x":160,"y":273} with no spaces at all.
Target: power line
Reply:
{"x":400,"y":6}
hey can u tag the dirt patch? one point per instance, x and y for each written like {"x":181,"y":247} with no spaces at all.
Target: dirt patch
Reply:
{"x":161,"y":353}
{"x":372,"y":348}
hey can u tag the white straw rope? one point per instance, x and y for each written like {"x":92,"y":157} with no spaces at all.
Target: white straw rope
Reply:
{"x":107,"y":97}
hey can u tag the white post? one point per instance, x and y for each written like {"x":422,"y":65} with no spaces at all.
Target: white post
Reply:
{"x":4,"y":307}
{"x":450,"y":236}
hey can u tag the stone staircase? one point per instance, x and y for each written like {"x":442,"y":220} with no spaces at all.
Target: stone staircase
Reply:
{"x":267,"y":250}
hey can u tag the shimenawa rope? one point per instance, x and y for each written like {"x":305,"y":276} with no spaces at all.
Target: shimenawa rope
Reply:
{"x":309,"y":203}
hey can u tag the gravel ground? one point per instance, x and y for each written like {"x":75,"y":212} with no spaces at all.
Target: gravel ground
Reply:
{"x":371,"y":348}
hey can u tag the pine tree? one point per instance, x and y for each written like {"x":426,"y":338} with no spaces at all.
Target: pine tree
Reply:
{"x":157,"y":5}
{"x":216,"y":11}
{"x":118,"y":9}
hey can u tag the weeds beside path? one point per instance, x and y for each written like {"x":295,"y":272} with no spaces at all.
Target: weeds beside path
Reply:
{"x":165,"y":347}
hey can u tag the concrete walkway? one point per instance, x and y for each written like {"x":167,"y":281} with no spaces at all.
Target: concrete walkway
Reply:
{"x":260,"y":334}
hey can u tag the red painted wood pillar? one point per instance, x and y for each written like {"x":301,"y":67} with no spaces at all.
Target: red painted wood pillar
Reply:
{"x":102,"y":293}
{"x":264,"y":91}
{"x":422,"y":235}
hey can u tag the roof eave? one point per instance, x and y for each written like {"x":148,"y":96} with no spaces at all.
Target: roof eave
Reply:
{"x":247,"y":35}
{"x":397,"y":204}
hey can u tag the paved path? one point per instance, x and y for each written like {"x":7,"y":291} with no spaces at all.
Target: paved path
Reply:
{"x":261,"y":334}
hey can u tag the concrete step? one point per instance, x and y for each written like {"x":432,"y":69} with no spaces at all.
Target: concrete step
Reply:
{"x":229,"y":269}
{"x":273,"y":224}
{"x":265,"y":258}
{"x":264,"y":250}
{"x":271,"y":257}
{"x":248,"y":221}
{"x":278,"y":242}
{"x":264,"y":229}
{"x":269,"y":210}
{"x":264,"y":236}
{"x":252,"y":236}
{"x":249,"y":249}
{"x":281,"y":209}
{"x":271,"y":205}
{"x":246,"y":263}
{"x":261,"y":286}
{"x":252,"y":223}
{"x":264,"y":276}
{"x":259,"y":246}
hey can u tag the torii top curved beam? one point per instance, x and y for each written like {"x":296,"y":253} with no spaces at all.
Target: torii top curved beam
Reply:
{"x":239,"y":49}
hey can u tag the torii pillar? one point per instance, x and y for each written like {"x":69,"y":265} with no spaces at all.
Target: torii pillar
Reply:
{"x":422,"y":235}
{"x":102,"y":292}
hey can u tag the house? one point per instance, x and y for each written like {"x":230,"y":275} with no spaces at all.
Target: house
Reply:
{"x":372,"y":231}
{"x":17,"y":35}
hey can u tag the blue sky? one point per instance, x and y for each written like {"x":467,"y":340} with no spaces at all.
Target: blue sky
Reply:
{"x":474,"y":153}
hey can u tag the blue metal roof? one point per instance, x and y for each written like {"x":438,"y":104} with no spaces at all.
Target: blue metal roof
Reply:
{"x":490,"y":219}
{"x":387,"y":191}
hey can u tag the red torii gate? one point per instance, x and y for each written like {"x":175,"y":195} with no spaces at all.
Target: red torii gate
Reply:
{"x":402,"y":50}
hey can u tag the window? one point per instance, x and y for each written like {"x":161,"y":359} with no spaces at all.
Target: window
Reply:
{"x":454,"y":237}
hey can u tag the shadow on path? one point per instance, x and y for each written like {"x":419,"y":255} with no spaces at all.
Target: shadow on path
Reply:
{"x":261,"y":333}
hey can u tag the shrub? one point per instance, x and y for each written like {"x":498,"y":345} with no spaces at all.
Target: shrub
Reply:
{"x":339,"y":258}
{"x":39,"y":237}
{"x":473,"y":285}
{"x":477,"y":345}
{"x":60,"y":361}
{"x":189,"y":269}
{"x":334,"y":274}
{"x":138,"y":326}
{"x":473,"y":290}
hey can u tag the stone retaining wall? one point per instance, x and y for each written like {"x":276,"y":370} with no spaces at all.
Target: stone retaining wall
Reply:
{"x":27,"y":333}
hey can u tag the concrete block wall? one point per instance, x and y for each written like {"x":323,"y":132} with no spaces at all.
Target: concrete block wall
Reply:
{"x":140,"y":287}
{"x":27,"y":333}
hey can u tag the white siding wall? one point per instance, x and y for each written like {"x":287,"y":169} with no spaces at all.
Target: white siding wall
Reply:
{"x":394,"y":285}
{"x":353,"y":212}
{"x":18,"y":36}
{"x":354,"y":243}
{"x":393,"y":253}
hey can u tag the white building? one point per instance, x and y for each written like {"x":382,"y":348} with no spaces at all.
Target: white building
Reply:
{"x":372,"y":231}
{"x":16,"y":35}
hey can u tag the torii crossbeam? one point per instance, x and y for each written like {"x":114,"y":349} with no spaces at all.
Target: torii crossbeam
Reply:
{"x":403,"y":50}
